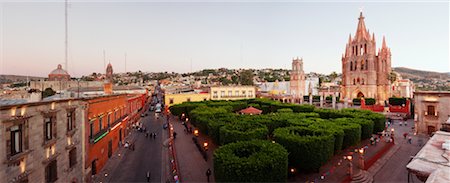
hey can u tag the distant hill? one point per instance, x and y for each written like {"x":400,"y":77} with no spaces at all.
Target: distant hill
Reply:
{"x":16,"y":78}
{"x":408,"y":73}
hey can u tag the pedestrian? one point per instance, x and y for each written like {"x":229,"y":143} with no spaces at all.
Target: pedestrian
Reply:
{"x":154,"y":135}
{"x":174,"y":135}
{"x":409,"y":140}
{"x":126,"y":144}
{"x":146,"y":134}
{"x":148,"y":176}
{"x":208,"y":173}
{"x":405,"y":135}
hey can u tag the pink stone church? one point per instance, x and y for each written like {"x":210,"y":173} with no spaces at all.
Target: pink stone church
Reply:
{"x":365,"y":71}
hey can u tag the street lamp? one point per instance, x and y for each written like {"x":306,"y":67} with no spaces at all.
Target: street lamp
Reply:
{"x":196,"y":133}
{"x":361,"y":158}
{"x":350,"y":165}
{"x":205,"y":145}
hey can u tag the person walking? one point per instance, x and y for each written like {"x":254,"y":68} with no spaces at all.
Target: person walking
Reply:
{"x":208,"y":173}
{"x":409,"y":140}
{"x":148,"y":176}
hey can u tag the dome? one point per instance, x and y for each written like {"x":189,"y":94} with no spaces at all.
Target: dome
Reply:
{"x":59,"y":74}
{"x":59,"y":71}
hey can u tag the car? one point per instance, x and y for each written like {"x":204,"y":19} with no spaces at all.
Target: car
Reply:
{"x":142,"y":115}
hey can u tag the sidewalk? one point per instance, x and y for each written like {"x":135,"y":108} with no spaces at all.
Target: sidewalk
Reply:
{"x":191,"y":163}
{"x":114,"y":161}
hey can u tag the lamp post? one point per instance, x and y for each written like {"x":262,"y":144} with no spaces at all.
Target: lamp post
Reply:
{"x":361,"y":158}
{"x":350,"y":165}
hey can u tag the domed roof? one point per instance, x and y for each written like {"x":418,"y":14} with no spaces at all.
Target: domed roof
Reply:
{"x":59,"y":71}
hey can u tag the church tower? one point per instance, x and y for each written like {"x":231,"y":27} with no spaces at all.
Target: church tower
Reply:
{"x":364,"y":71}
{"x":297,"y":81}
{"x":108,"y":85}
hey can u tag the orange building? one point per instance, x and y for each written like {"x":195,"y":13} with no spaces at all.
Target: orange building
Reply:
{"x":105,"y":129}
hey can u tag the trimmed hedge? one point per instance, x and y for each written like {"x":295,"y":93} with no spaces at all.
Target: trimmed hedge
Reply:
{"x":309,"y":148}
{"x":369,"y":101}
{"x":397,"y":101}
{"x":241,"y":131}
{"x":251,"y":161}
{"x":288,"y":110}
{"x":352,"y":131}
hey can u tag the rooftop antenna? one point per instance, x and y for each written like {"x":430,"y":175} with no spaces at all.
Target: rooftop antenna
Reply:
{"x":66,"y":36}
{"x":191,"y":65}
{"x":125,"y":62}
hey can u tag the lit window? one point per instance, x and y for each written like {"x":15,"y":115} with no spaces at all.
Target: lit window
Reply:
{"x":16,"y":139}
{"x":48,"y":128}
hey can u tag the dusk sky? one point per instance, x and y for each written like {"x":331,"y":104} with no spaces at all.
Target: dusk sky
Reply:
{"x":167,"y":36}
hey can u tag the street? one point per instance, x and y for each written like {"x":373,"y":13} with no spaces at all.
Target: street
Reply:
{"x":147,"y":155}
{"x":395,"y":168}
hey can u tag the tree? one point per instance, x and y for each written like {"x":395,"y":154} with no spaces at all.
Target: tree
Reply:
{"x":246,"y":77}
{"x":48,"y":92}
{"x":333,"y":76}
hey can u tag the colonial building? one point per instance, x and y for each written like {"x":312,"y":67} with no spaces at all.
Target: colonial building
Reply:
{"x":365,"y":70}
{"x":105,"y":129}
{"x":297,"y":81}
{"x":232,"y":92}
{"x":432,"y":109}
{"x":42,"y":142}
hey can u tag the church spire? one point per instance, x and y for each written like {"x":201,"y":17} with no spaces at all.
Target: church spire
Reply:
{"x":384,"y":43}
{"x":361,"y":31}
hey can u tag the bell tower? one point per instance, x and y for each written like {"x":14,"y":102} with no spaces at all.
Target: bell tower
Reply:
{"x":297,"y":81}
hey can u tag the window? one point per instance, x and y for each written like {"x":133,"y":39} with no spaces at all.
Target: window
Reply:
{"x":48,"y":128}
{"x":351,"y":66}
{"x":16,"y":139}
{"x":204,"y":99}
{"x":431,"y":110}
{"x":188,"y":99}
{"x":243,"y":93}
{"x":109,"y":120}
{"x":115,"y":115}
{"x":100,"y":125}
{"x":362,"y":64}
{"x":70,"y":120}
{"x":356,"y":66}
{"x":72,"y":157}
{"x":250,"y":93}
{"x":222,"y":93}
{"x":215,"y":94}
{"x":91,"y":129}
{"x":236,"y":93}
{"x":171,"y":100}
{"x":230,"y":93}
{"x":367,"y":64}
{"x":51,"y":172}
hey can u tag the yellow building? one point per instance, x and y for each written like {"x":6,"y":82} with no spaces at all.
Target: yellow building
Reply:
{"x":172,"y":99}
{"x":232,"y":92}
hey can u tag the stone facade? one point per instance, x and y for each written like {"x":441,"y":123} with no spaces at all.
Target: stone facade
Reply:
{"x":432,"y":109}
{"x":297,"y":81}
{"x":364,"y":70}
{"x":59,"y":86}
{"x":59,"y":74}
{"x":38,"y":141}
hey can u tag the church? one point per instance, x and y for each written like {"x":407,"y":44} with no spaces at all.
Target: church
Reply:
{"x":365,"y":71}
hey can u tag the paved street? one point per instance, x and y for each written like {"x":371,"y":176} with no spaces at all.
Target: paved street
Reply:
{"x":147,"y":156}
{"x":395,"y":168}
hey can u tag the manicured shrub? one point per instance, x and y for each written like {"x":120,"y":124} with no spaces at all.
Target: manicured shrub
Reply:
{"x":241,"y":131}
{"x":352,"y":131}
{"x":369,"y":101}
{"x":335,"y":129}
{"x":309,"y":148}
{"x":357,"y":101}
{"x":251,"y":161}
{"x":397,"y":101}
{"x":288,"y":110}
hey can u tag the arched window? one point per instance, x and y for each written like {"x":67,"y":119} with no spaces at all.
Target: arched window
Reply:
{"x":362,"y":64}
{"x":357,"y":80}
{"x":354,"y":81}
{"x":365,"y":48}
{"x":356,"y":67}
{"x":351,"y":66}
{"x":362,"y":81}
{"x":367,"y":64}
{"x":362,"y":50}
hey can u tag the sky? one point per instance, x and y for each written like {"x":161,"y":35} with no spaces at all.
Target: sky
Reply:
{"x":190,"y":36}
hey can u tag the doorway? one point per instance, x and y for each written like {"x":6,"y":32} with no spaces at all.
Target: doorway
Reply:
{"x":431,"y":129}
{"x":94,"y":167}
{"x":109,"y":148}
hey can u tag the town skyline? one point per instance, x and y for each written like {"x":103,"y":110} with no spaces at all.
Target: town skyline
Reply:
{"x":277,"y":34}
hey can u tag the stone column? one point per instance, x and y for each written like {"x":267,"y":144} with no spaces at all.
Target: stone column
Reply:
{"x":321,"y":101}
{"x":345,"y":102}
{"x":310,"y":99}
{"x":334,"y":100}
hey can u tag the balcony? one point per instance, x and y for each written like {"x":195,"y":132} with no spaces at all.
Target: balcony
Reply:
{"x":431,"y":117}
